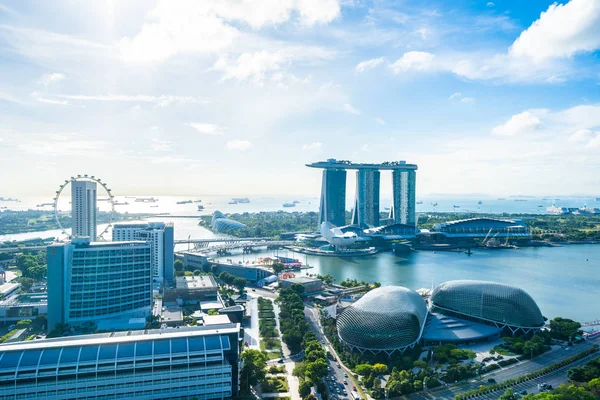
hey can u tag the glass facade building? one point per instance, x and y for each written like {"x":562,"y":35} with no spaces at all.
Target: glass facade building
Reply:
{"x":88,"y":281}
{"x":488,"y":302}
{"x":200,"y":362}
{"x":333,"y":197}
{"x":388,"y":319}
{"x":221,"y":224}
{"x":366,"y":205}
{"x":403,"y":210}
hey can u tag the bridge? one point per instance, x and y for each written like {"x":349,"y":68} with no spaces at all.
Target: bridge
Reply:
{"x":223,"y":245}
{"x":591,"y":323}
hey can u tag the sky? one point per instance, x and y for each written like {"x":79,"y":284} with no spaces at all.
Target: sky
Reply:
{"x":236,"y":96}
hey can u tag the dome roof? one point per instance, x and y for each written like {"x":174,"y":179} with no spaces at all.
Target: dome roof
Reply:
{"x":491,"y":301}
{"x":386,"y":318}
{"x":220,"y":223}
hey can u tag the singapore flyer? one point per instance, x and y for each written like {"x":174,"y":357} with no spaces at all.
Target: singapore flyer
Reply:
{"x":85,"y":178}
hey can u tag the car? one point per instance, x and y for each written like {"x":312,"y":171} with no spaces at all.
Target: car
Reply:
{"x":337,"y":390}
{"x":331,"y":388}
{"x":345,"y":382}
{"x":345,"y":392}
{"x":339,"y":366}
{"x":281,"y":361}
{"x":254,"y":290}
{"x":549,"y":387}
{"x":345,"y":375}
{"x":491,"y":380}
{"x":523,"y":392}
{"x":354,"y":388}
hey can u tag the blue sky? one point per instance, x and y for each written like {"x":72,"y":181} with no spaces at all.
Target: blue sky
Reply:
{"x":220,"y":97}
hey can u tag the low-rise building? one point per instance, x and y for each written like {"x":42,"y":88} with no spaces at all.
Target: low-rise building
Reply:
{"x":310,"y":284}
{"x":194,"y":362}
{"x":192,"y":289}
{"x":18,"y":306}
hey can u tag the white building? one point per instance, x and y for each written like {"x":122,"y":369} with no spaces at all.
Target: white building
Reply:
{"x":185,"y":363}
{"x":90,"y":281}
{"x":83,"y":209}
{"x":160,"y":236}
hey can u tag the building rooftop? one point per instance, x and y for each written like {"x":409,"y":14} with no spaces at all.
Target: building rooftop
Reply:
{"x":195,"y":282}
{"x":303,"y":279}
{"x":122,"y":337}
{"x":344,"y":164}
{"x":443,"y":328}
{"x":212,"y":320}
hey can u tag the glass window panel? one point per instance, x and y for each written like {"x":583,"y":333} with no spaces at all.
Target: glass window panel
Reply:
{"x":107,"y":352}
{"x":143,"y":349}
{"x":88,"y":353}
{"x":10,"y":359}
{"x":126,"y":350}
{"x":50,"y":357}
{"x":213,"y":343}
{"x":196,"y":344}
{"x":69,"y":355}
{"x":162,"y":347}
{"x":30,"y":358}
{"x":178,"y":346}
{"x":225,"y":342}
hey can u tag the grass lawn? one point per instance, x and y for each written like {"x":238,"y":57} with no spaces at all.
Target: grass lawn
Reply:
{"x":270,"y":344}
{"x":503,"y":351}
{"x":275,"y":385}
{"x":273,"y":355}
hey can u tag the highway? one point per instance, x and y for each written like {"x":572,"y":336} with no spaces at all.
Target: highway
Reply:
{"x":516,"y":371}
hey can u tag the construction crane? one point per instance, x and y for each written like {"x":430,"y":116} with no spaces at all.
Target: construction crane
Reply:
{"x":486,"y":237}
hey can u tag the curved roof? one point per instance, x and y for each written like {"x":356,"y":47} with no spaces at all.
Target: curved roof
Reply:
{"x":479,"y":223}
{"x":387,"y":318}
{"x":220,"y":223}
{"x":490,"y":301}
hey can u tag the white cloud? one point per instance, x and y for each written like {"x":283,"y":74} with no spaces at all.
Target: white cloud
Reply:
{"x":365,"y":148}
{"x":160,"y":145}
{"x":380,"y":121}
{"x":350,"y":109}
{"x":207,"y":129}
{"x":237,"y":144}
{"x":170,"y":160}
{"x":582,"y":135}
{"x":455,"y":96}
{"x":202,"y":27}
{"x":413,"y":60}
{"x":51,"y":101}
{"x":313,"y":145}
{"x":49,"y":79}
{"x":595,"y":142}
{"x":159,"y":101}
{"x":250,"y":66}
{"x":518,"y":124}
{"x":467,"y":100}
{"x":561,"y":31}
{"x":490,"y":4}
{"x":369,"y":64}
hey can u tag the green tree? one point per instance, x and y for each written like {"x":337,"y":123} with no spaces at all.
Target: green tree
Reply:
{"x":178,"y":265}
{"x":26,"y":283}
{"x":315,"y":371}
{"x":304,"y":389}
{"x":364,"y":369}
{"x":253,"y":371}
{"x":277,"y":267}
{"x":24,"y":323}
{"x":508,"y":395}
{"x":564,"y":328}
{"x":240,"y":283}
{"x":380,"y":369}
{"x":297,"y":288}
{"x":420,"y":364}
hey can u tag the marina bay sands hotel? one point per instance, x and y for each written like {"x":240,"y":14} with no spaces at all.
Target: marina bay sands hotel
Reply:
{"x":366,"y":205}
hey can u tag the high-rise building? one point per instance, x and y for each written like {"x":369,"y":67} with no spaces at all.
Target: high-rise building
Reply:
{"x":161,"y":238}
{"x":403,"y":210}
{"x":366,"y":205}
{"x":333,"y":197}
{"x":92,"y":281}
{"x":83,"y":209}
{"x":195,"y":362}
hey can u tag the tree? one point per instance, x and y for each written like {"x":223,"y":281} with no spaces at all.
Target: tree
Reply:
{"x":188,"y":273}
{"x":564,"y":328}
{"x":253,"y":371}
{"x":26,"y":283}
{"x":240,"y":283}
{"x":380,"y":369}
{"x":304,"y":389}
{"x":178,"y":265}
{"x":24,"y":323}
{"x":277,"y":267}
{"x":363,"y":369}
{"x":420,"y":364}
{"x":508,"y":395}
{"x":315,"y":371}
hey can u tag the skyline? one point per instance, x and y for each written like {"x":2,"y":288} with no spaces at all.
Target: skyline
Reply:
{"x":222,"y":98}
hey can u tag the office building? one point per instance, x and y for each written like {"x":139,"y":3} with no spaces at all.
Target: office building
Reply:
{"x":366,"y":204}
{"x":194,"y":362}
{"x":403,"y":210}
{"x":333,"y":197}
{"x":161,"y":238}
{"x":91,"y":281}
{"x":83,"y":209}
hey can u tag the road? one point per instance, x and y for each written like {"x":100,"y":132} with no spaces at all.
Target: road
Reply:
{"x":516,"y":371}
{"x":337,"y":371}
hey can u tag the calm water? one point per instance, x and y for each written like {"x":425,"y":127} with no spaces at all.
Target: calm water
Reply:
{"x":565,"y":281}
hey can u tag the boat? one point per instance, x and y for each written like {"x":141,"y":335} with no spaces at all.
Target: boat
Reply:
{"x":295,"y":202}
{"x":121,"y":204}
{"x":434,"y":203}
{"x":233,"y":202}
{"x":45,"y":204}
{"x":289,"y":204}
{"x":184,"y":202}
{"x":520,"y":199}
{"x":501,"y":198}
{"x":455,"y":206}
{"x":557,"y":210}
{"x":156,"y":205}
{"x":130,"y":197}
{"x":480,"y":202}
{"x":540,"y":205}
{"x":420,"y":202}
{"x":197,"y":201}
{"x":241,"y":199}
{"x":146,"y":200}
{"x":200,"y":207}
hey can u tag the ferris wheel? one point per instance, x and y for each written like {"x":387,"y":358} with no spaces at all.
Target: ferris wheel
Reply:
{"x":79,"y":178}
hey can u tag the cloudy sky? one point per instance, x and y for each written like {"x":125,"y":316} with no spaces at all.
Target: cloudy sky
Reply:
{"x":235,"y":96}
